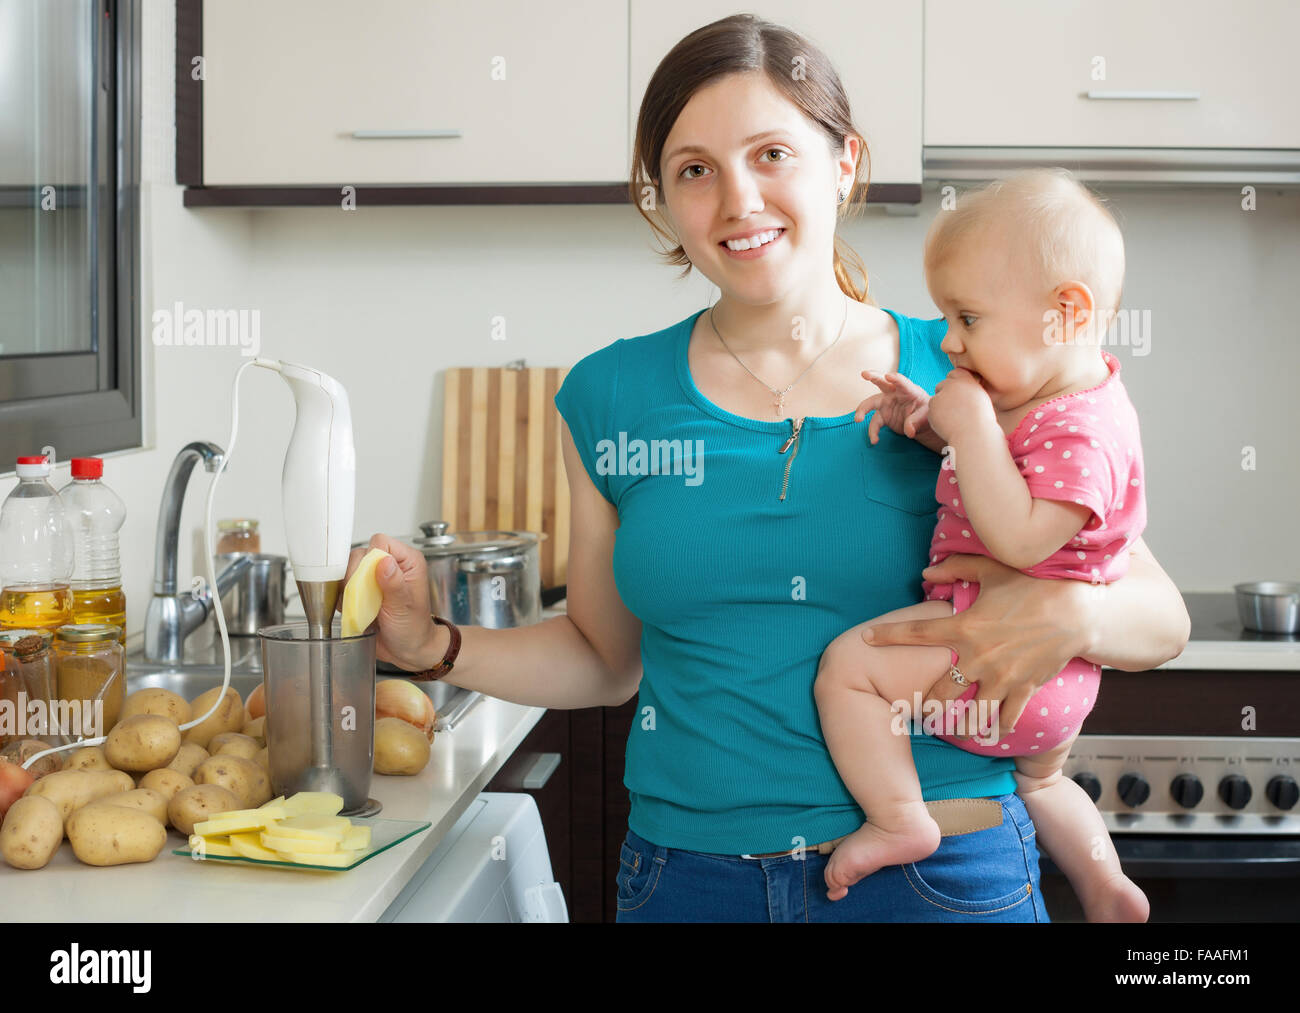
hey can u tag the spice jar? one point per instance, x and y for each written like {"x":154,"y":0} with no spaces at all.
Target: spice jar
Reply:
{"x":238,"y":535}
{"x":26,"y":655}
{"x":89,"y":665}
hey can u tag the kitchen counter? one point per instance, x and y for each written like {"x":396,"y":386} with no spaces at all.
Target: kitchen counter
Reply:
{"x":1218,"y":639}
{"x":174,"y":888}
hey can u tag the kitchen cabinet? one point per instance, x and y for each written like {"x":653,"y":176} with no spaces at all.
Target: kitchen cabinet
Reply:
{"x":1112,"y":73}
{"x":330,"y":93}
{"x":874,"y":45}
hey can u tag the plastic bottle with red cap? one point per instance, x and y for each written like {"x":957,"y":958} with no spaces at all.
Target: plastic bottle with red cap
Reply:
{"x":36,"y":552}
{"x":96,"y":515}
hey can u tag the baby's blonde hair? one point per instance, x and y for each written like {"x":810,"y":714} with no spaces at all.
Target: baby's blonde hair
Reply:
{"x":1069,"y":233}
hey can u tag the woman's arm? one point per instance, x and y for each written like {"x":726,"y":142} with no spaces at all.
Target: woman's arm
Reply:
{"x":1022,"y":630}
{"x":590,"y":657}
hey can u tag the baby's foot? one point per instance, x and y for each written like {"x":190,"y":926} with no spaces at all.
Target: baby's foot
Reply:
{"x":1117,"y":899}
{"x":905,"y":834}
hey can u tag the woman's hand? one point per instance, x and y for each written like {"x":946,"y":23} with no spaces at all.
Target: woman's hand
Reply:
{"x":900,"y":404}
{"x":406,"y":630}
{"x":1018,"y":633}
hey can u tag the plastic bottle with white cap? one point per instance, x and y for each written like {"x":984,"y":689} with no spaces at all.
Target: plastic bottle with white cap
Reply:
{"x":36,"y":552}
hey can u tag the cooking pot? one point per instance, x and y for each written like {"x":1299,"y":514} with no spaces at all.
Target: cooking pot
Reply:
{"x":483,"y":578}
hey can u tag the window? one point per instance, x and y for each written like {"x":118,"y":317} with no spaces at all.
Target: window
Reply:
{"x":69,"y":227}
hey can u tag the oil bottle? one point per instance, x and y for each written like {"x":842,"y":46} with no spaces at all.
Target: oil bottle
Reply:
{"x":36,"y":551}
{"x":95,"y":514}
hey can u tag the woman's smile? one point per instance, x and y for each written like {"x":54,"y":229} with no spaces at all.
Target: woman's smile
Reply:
{"x":753,"y":253}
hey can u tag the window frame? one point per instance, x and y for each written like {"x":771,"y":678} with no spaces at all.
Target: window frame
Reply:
{"x":111,"y":418}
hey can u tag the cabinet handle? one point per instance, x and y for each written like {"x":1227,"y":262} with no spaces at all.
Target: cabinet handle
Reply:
{"x":542,"y":769}
{"x":387,"y":135}
{"x":1146,"y":96}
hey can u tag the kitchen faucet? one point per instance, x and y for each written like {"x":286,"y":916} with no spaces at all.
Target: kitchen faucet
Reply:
{"x":173,"y":615}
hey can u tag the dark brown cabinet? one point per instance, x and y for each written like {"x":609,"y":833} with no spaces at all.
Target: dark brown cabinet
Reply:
{"x":581,"y":798}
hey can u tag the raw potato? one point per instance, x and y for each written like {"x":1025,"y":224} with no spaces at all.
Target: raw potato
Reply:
{"x":242,"y":776}
{"x":166,"y":782}
{"x":88,"y":758}
{"x":188,"y":759}
{"x":142,"y":743}
{"x":21,"y":751}
{"x":263,"y":759}
{"x":228,"y":717}
{"x":361,"y":595}
{"x":234,"y":744}
{"x":255,"y":707}
{"x":256,"y":729}
{"x":142,"y":799}
{"x":33,"y":831}
{"x":157,"y":701}
{"x":199,"y":803}
{"x":104,"y":834}
{"x":400,"y":748}
{"x":69,"y":790}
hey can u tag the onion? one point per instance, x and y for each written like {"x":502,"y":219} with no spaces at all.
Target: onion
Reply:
{"x":13,"y":782}
{"x":400,"y":698}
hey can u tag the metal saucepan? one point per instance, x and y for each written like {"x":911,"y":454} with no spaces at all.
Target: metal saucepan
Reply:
{"x":258,"y":596}
{"x":1269,"y":606}
{"x":483,"y":578}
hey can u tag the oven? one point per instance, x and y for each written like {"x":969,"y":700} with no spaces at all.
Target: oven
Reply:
{"x":1195,"y":767}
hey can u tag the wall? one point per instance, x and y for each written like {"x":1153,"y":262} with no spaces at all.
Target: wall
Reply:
{"x":387,"y":298}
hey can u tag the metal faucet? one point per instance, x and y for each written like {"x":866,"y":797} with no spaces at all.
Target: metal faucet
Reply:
{"x":173,"y":616}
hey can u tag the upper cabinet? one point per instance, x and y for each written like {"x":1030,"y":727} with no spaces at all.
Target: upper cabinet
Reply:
{"x":1112,"y":73}
{"x":874,"y":45}
{"x":332,"y":92}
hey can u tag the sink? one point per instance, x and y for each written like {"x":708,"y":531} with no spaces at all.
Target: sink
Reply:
{"x":189,"y":680}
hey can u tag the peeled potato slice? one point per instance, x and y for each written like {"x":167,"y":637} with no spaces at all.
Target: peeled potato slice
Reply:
{"x":250,"y":846}
{"x":361,"y":595}
{"x":314,"y":803}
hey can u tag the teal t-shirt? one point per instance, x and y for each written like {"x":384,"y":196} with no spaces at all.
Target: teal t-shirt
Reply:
{"x":740,"y":591}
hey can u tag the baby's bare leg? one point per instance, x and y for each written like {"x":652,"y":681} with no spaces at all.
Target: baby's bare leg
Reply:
{"x":856,"y":687}
{"x":1072,"y":832}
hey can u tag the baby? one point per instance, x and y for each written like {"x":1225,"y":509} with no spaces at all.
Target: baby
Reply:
{"x":1042,"y":471}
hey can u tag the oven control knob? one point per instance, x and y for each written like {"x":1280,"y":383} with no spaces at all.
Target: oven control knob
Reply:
{"x":1089,"y":783}
{"x":1282,"y":791}
{"x":1235,"y":791}
{"x":1133,"y":789}
{"x":1187,"y":790}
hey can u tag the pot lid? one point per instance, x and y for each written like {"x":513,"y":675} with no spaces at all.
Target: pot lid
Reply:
{"x":434,"y":540}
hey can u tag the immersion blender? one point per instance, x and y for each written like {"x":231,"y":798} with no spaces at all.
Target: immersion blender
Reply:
{"x":319,"y":492}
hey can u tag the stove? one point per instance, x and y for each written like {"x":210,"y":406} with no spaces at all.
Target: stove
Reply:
{"x":1195,"y":767}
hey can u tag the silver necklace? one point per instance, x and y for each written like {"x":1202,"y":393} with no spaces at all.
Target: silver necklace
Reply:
{"x":779,"y":404}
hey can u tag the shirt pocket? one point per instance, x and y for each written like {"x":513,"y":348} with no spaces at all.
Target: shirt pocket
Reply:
{"x":901,"y":474}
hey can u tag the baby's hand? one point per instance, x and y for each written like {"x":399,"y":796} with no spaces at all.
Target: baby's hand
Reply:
{"x":901,"y":405}
{"x":958,"y":398}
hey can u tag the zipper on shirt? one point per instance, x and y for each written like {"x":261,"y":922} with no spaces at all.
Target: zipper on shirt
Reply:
{"x":796,"y":426}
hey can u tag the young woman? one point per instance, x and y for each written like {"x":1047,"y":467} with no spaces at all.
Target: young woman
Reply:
{"x":709,"y":579}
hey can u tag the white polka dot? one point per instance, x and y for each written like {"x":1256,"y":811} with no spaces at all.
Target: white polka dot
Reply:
{"x":1061,"y":423}
{"x":1065,"y":453}
{"x":1085,"y":472}
{"x":1074,"y":429}
{"x":1085,"y":701}
{"x":1025,"y":444}
{"x":1107,"y":556}
{"x":1060,"y":681}
{"x":1094,"y":668}
{"x":965,"y":533}
{"x":1032,"y":428}
{"x":1092,"y":400}
{"x":933,"y":558}
{"x":1093,"y":443}
{"x":1038,"y":735}
{"x":954,"y":502}
{"x":1082,"y":555}
{"x":1048,"y":444}
{"x":1058,"y":484}
{"x":1065,"y":728}
{"x":1133,"y":481}
{"x":1038,"y":415}
{"x":1067,"y":708}
{"x":1006,"y":745}
{"x":1080,"y":502}
{"x":1038,"y":468}
{"x":942,"y":535}
{"x":1060,"y":407}
{"x":952,"y":481}
{"x":1043,"y":712}
{"x":1035,"y":747}
{"x":965,"y":583}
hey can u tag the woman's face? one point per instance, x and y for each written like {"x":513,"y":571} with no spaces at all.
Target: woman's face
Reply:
{"x":756,"y":165}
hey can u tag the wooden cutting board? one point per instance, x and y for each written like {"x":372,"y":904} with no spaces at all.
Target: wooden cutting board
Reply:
{"x":502,"y":463}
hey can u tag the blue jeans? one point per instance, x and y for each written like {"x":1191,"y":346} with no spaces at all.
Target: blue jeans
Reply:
{"x":985,"y":876}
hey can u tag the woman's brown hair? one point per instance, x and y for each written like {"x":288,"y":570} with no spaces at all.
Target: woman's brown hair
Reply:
{"x":743,"y":43}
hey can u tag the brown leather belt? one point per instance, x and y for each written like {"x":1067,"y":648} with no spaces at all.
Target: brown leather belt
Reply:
{"x":954,"y":816}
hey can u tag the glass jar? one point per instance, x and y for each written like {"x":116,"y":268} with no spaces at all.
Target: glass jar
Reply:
{"x":90,"y":669}
{"x":27,"y":658}
{"x":238,"y":535}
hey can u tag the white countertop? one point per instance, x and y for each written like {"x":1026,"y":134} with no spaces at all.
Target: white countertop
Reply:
{"x":177,"y":889}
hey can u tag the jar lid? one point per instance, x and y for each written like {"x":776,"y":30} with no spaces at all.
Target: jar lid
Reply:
{"x":88,"y":633}
{"x":26,"y":643}
{"x":435,"y":541}
{"x":237,"y":524}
